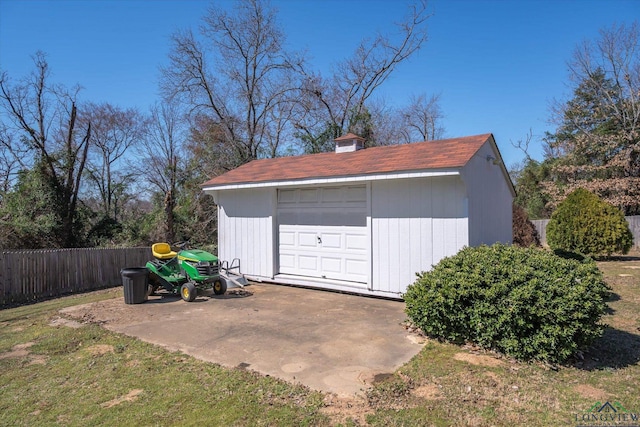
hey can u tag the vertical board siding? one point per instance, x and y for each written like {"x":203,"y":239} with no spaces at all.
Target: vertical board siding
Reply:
{"x":415,"y":223}
{"x":246,"y":230}
{"x":490,"y":199}
{"x":634,"y":226}
{"x":29,"y":275}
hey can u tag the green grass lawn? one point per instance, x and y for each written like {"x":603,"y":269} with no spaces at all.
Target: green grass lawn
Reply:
{"x":89,"y":376}
{"x":53,"y":374}
{"x":449,"y":385}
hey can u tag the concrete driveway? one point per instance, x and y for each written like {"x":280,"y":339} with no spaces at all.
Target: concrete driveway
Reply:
{"x":327,"y":341}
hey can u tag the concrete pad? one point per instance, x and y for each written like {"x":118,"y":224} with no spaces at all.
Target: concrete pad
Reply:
{"x":327,"y":341}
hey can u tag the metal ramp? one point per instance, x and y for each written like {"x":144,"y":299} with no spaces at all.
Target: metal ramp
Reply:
{"x":231,"y":273}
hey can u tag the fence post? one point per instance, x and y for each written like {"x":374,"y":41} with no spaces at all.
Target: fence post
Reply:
{"x":8,"y":276}
{"x":3,"y":285}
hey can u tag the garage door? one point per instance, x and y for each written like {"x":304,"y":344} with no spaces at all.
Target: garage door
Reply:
{"x":322,"y":233}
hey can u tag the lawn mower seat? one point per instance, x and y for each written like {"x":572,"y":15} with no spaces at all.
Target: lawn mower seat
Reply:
{"x":162,"y":251}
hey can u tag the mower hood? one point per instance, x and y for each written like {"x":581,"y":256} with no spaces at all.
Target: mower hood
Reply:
{"x":197,"y":255}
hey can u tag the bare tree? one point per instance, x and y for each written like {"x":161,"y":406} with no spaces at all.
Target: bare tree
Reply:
{"x":239,"y":76}
{"x":422,"y":119}
{"x":386,"y":122}
{"x":160,"y":161}
{"x":596,"y":145}
{"x":114,"y":132}
{"x":523,"y":145}
{"x":617,"y":54}
{"x":9,"y":162}
{"x":332,"y":106}
{"x":44,"y":117}
{"x":209,"y":153}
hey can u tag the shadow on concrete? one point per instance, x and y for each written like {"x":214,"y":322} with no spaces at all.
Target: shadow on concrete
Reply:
{"x":231,"y":294}
{"x":166,"y":297}
{"x":162,"y":299}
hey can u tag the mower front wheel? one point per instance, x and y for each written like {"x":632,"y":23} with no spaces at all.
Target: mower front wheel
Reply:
{"x":219,"y":286}
{"x":188,"y":292}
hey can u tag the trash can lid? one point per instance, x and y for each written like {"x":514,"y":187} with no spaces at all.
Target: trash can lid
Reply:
{"x":134,"y":271}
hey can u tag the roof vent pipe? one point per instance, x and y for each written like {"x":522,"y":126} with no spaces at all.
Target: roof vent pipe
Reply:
{"x":348,"y":143}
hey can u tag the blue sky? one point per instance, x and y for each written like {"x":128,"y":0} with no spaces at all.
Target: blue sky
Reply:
{"x":497,"y":64}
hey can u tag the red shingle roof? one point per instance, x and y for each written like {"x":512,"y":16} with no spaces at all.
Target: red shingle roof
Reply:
{"x":442,"y":154}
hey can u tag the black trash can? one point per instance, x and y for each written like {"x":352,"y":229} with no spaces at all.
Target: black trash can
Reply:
{"x":135,"y":281}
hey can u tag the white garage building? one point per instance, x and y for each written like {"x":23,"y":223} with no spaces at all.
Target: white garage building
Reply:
{"x":362,"y":220}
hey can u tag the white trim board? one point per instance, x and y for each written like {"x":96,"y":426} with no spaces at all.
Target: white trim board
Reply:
{"x":328,"y":284}
{"x":334,"y":180}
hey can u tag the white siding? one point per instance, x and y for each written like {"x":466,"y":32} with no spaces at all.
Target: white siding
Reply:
{"x":246,"y":229}
{"x":415,"y":223}
{"x":410,"y":223}
{"x":490,"y":199}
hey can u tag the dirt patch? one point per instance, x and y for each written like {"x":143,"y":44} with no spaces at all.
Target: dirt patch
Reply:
{"x":17,"y":351}
{"x":100,"y":349}
{"x":133,"y":363}
{"x":478,"y":359}
{"x":37,"y":359}
{"x":591,"y":392}
{"x":62,"y":321}
{"x":22,"y":350}
{"x":428,"y":391}
{"x":341,"y":410}
{"x":493,"y":377}
{"x":417,"y":339}
{"x":129,"y":397}
{"x":416,"y":335}
{"x":100,"y":312}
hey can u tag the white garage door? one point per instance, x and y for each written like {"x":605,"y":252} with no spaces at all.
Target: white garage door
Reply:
{"x":322,"y":233}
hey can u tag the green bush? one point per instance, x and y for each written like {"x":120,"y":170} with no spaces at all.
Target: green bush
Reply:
{"x":585,"y":224}
{"x":527,"y":303}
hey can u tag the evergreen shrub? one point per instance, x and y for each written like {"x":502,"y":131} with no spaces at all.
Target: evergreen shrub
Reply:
{"x":585,"y":224}
{"x":527,"y":303}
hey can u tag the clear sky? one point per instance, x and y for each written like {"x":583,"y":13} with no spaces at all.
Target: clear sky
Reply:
{"x":497,"y":64}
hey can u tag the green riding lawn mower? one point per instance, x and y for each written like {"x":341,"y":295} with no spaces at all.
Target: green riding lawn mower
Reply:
{"x":189,"y":271}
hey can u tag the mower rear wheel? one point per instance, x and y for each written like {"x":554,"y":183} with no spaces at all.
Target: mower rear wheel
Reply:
{"x":220,"y":286}
{"x":188,"y":292}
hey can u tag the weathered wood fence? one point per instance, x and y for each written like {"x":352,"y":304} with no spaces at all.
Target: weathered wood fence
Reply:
{"x":634,"y":225}
{"x":29,"y":275}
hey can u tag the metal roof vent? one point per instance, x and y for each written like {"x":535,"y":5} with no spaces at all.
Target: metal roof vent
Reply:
{"x":349,"y":142}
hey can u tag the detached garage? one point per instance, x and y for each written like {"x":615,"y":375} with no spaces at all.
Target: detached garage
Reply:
{"x":362,"y":220}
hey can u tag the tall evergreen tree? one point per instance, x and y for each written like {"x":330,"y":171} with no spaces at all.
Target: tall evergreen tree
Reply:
{"x":596,"y":145}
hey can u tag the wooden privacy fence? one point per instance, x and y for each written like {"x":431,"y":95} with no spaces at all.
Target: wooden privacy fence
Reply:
{"x":33,"y":274}
{"x":634,"y":225}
